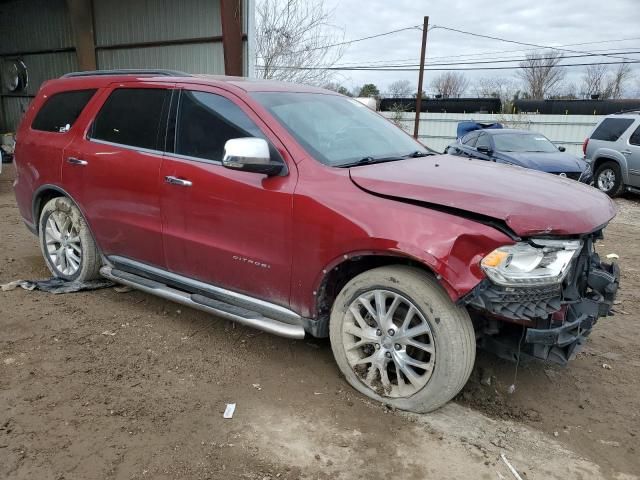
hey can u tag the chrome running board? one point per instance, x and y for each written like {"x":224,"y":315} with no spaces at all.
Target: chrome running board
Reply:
{"x":219,"y":308}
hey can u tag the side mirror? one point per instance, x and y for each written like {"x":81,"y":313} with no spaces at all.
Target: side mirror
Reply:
{"x":562,"y":149}
{"x":485,"y":150}
{"x":250,"y":155}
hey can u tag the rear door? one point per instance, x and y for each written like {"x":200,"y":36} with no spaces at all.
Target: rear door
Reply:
{"x":224,"y":227}
{"x":111,"y":170}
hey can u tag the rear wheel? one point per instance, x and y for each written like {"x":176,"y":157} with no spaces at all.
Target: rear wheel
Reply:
{"x":397,"y":338}
{"x":608,"y":179}
{"x":66,"y":242}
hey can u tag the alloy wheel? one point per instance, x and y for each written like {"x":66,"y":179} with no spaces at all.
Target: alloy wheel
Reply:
{"x":606,"y":180}
{"x":63,"y":244}
{"x":388,"y":343}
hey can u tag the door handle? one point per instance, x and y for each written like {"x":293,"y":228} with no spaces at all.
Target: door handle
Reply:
{"x":626,"y":152}
{"x":77,"y":161}
{"x":177,"y":181}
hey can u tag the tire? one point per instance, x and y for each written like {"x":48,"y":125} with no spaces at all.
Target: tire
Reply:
{"x":443,"y":356}
{"x":65,"y":240}
{"x":608,"y":179}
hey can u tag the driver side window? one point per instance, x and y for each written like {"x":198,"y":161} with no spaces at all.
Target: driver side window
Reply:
{"x":483,"y":141}
{"x":206,"y":121}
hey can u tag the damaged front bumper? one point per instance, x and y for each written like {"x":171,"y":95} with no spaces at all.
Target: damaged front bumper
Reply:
{"x":551,"y":322}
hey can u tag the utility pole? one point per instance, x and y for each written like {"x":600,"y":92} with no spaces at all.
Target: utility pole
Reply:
{"x":416,"y":126}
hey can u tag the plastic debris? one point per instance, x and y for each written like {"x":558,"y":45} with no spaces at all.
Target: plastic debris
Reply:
{"x":108,"y":333}
{"x":57,"y":285}
{"x":510,"y":467}
{"x":257,"y":386}
{"x":228,"y":412}
{"x":606,"y":366}
{"x":613,"y":256}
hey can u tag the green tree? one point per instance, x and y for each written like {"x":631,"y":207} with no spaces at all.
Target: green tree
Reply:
{"x":369,"y":90}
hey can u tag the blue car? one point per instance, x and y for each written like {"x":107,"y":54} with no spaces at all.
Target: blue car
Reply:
{"x":520,"y":147}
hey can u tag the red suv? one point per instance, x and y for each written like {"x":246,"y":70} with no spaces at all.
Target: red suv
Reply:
{"x":299,"y":211}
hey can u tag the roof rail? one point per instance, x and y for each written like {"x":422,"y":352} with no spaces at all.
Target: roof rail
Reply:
{"x":127,"y":71}
{"x":632,"y":110}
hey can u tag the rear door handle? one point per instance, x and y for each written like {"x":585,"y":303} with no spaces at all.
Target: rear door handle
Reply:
{"x":626,"y":152}
{"x":177,"y":181}
{"x":77,"y":161}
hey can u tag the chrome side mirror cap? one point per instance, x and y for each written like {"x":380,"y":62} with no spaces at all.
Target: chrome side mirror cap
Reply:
{"x":250,"y":155}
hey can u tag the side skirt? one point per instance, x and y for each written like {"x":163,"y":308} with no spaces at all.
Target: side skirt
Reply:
{"x":239,"y":308}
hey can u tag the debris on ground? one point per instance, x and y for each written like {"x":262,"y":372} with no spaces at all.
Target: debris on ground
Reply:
{"x":510,"y":467}
{"x":606,"y":366}
{"x":613,"y":256}
{"x":57,"y":285}
{"x":228,"y":412}
{"x":257,"y":386}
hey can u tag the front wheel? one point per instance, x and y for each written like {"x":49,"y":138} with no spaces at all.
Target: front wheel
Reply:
{"x":397,"y":338}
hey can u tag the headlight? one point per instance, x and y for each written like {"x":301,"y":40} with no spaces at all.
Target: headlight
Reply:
{"x":541,"y":262}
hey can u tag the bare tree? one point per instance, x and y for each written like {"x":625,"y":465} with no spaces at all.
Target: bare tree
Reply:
{"x":400,"y":88}
{"x":336,"y":87}
{"x":541,"y":74}
{"x":617,"y":81}
{"x":598,"y":80}
{"x":294,"y":39}
{"x":503,"y":88}
{"x":594,"y":79}
{"x":450,"y":84}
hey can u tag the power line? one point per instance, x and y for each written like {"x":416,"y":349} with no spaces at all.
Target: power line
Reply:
{"x":510,"y":60}
{"x":388,"y":69}
{"x":517,"y":42}
{"x":355,"y":40}
{"x":493,"y":52}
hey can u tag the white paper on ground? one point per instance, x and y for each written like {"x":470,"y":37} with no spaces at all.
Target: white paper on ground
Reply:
{"x":228,"y":412}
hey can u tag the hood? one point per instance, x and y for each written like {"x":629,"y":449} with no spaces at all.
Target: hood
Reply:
{"x":527,"y":201}
{"x":554,"y":162}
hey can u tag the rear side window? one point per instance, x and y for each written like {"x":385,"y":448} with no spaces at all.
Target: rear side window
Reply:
{"x":61,"y":110}
{"x":635,"y":137}
{"x":132,"y":116}
{"x":206,"y":121}
{"x":611,"y":128}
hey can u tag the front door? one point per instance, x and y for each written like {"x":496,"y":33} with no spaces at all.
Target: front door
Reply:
{"x":225,"y":227}
{"x":112,"y":169}
{"x":632,"y":153}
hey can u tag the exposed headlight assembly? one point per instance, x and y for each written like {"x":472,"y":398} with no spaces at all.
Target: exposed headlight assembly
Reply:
{"x":539,"y":262}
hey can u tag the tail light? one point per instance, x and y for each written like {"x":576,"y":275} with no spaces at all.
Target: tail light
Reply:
{"x":584,"y":146}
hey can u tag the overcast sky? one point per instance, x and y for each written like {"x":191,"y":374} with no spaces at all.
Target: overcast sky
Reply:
{"x":545,"y":22}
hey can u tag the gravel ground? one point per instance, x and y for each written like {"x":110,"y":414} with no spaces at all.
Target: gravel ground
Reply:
{"x":108,"y":385}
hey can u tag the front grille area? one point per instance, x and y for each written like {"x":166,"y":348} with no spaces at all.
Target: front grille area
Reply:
{"x":522,"y":303}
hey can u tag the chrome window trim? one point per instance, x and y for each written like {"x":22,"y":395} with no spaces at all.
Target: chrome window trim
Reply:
{"x":126,"y":147}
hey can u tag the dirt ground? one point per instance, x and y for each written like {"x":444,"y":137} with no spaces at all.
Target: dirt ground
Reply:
{"x":107,"y":385}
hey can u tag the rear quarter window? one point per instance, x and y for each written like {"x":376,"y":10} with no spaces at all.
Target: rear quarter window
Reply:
{"x":61,"y":110}
{"x":611,"y":128}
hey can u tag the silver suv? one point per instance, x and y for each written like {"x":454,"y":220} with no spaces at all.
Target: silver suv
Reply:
{"x":613,"y":150}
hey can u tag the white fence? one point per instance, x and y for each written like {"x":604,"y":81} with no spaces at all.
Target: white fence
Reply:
{"x":437,"y":130}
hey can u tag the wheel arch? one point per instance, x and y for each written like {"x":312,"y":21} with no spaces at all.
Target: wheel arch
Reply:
{"x":606,"y":157}
{"x":46,"y":192}
{"x":341,"y":270}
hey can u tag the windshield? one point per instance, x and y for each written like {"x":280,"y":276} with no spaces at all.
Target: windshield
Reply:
{"x":523,"y":142}
{"x":337,"y":130}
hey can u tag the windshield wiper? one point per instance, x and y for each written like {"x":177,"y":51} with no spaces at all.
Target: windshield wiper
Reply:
{"x":371,"y":160}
